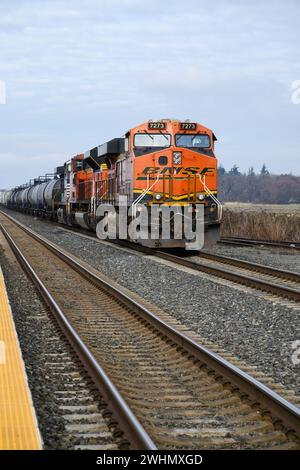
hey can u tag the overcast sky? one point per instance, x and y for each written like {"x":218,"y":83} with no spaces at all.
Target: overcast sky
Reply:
{"x":80,"y":72}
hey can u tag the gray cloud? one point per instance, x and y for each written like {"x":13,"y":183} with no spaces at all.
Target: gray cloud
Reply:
{"x":80,"y":72}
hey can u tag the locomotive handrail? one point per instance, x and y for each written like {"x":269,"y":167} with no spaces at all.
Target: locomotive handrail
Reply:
{"x":214,"y":198}
{"x":102,"y":183}
{"x":142,"y":195}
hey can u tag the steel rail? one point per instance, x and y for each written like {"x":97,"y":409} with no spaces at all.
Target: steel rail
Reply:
{"x":251,"y":266}
{"x":249,"y":242}
{"x":281,"y":409}
{"x":263,"y":285}
{"x":130,"y":425}
{"x":247,"y":280}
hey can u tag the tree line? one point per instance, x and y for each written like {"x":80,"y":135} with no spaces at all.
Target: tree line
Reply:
{"x":262,"y":187}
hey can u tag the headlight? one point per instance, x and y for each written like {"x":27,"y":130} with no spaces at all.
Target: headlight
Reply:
{"x":158,"y":197}
{"x":201,"y":197}
{"x":177,"y":158}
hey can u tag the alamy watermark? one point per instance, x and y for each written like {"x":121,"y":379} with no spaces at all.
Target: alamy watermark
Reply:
{"x":295,"y":97}
{"x":2,"y":92}
{"x":138,"y":222}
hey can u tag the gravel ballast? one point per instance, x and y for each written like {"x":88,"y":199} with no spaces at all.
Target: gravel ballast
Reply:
{"x":261,"y":332}
{"x":53,"y":370}
{"x":286,"y":259}
{"x":34,"y":330}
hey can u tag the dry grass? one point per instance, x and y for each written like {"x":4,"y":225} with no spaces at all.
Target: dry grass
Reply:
{"x":276,"y":223}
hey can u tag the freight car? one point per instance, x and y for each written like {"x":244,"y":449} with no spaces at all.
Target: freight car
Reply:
{"x":163,"y":163}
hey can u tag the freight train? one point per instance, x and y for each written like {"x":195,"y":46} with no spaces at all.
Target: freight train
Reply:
{"x":163,"y":163}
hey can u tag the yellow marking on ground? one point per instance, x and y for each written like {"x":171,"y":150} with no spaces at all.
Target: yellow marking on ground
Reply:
{"x":2,"y":352}
{"x":18,"y":424}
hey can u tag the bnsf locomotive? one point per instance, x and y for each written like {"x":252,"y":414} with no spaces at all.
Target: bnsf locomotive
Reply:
{"x":166,"y":162}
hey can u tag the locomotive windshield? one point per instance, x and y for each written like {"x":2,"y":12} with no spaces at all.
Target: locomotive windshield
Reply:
{"x":152,"y":140}
{"x":147,"y":143}
{"x":192,"y":140}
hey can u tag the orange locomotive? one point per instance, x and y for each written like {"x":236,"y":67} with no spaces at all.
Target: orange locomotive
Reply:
{"x":156,"y":165}
{"x":165,"y":162}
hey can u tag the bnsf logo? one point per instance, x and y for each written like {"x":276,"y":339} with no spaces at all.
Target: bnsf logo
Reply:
{"x":178,"y":171}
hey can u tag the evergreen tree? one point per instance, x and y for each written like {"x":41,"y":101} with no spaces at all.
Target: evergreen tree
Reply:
{"x":235,"y":170}
{"x":221,"y":170}
{"x":264,"y":171}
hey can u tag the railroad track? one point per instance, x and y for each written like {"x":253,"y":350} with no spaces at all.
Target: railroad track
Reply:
{"x":88,"y":422}
{"x":164,"y":389}
{"x":269,"y":243}
{"x":284,"y":284}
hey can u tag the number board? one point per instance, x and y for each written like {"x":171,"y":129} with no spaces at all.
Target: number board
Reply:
{"x":156,"y":125}
{"x":188,"y":126}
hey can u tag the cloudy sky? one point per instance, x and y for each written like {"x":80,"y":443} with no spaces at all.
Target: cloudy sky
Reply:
{"x":80,"y":72}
